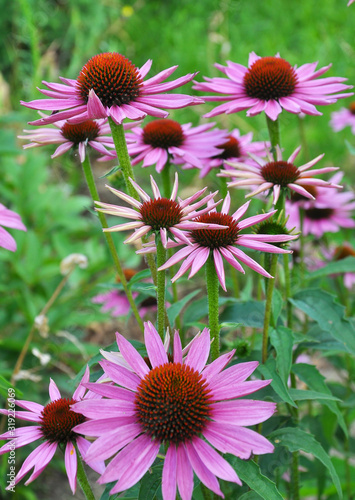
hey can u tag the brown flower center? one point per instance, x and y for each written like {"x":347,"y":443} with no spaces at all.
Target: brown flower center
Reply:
{"x":113,"y":77}
{"x":352,"y":108}
{"x":280,"y":172}
{"x":173,"y":403}
{"x":318,"y":213}
{"x":57,"y":421}
{"x":163,"y":134}
{"x":299,"y":197}
{"x":230,"y":149}
{"x":270,"y":78}
{"x":80,"y":132}
{"x":344,"y":251}
{"x":161,"y":213}
{"x":216,"y":238}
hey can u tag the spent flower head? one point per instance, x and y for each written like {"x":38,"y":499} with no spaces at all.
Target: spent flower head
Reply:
{"x":180,"y":406}
{"x":110,"y":85}
{"x":271,"y":84}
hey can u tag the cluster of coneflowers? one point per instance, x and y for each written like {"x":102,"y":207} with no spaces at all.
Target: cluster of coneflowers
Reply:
{"x":180,"y":402}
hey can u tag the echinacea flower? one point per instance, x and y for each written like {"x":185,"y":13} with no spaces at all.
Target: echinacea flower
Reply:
{"x":163,"y":140}
{"x":343,"y":118}
{"x":158,"y":215}
{"x":237,"y":147}
{"x":9,"y":218}
{"x":341,"y":252}
{"x":328,"y":212}
{"x":226,"y":243}
{"x":55,"y":423}
{"x":109,"y":85}
{"x":271,"y":84}
{"x":94,"y":133}
{"x":276,"y":175}
{"x":181,"y":407}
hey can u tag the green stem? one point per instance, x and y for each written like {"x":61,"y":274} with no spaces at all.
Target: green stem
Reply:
{"x":274,"y":134}
{"x":124,"y":161}
{"x":165,"y":178}
{"x":82,"y":478}
{"x":268,"y":306}
{"x":295,"y":475}
{"x":303,"y":138}
{"x":161,"y":259}
{"x":95,"y":196}
{"x":288,"y":290}
{"x":213,"y":306}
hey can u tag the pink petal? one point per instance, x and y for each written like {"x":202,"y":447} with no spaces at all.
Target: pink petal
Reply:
{"x":80,"y":390}
{"x":201,"y":471}
{"x":112,"y":442}
{"x":155,"y":349}
{"x":177,"y":348}
{"x":54,"y":393}
{"x":199,"y":351}
{"x":185,"y":479}
{"x":120,"y":375}
{"x":218,"y":262}
{"x":242,"y":412}
{"x":71,"y":465}
{"x":214,"y":368}
{"x":169,"y":479}
{"x":132,"y":356}
{"x":84,"y":445}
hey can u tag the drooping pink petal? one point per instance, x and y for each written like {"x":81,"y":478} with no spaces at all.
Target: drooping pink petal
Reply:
{"x":71,"y":465}
{"x":169,"y":479}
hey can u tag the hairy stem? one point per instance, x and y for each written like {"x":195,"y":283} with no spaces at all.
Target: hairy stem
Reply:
{"x":213,"y":307}
{"x":95,"y":196}
{"x":274,"y":134}
{"x":268,"y":306}
{"x":161,"y":259}
{"x":82,"y":478}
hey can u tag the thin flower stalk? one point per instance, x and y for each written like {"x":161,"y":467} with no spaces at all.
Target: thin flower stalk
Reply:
{"x":213,"y":306}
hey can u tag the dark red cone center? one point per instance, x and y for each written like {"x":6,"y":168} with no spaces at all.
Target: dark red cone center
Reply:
{"x":270,"y":78}
{"x":163,"y":134}
{"x":113,"y":77}
{"x":161,"y":213}
{"x":230,"y":149}
{"x":80,"y":132}
{"x":280,"y":172}
{"x":57,"y":421}
{"x":216,"y":239}
{"x":173,"y":403}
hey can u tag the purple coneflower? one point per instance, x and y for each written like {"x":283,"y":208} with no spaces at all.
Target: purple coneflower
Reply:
{"x":109,"y":85}
{"x":178,"y":406}
{"x":95,"y":133}
{"x":163,"y":215}
{"x":237,"y":147}
{"x":270,"y":84}
{"x":327,"y":212}
{"x":160,"y":139}
{"x":55,"y":423}
{"x":276,"y":175}
{"x":8,"y":218}
{"x":225,"y":243}
{"x":343,"y":118}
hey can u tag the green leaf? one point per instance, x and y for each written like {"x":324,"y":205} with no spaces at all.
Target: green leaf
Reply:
{"x":282,"y":339}
{"x":141,"y":275}
{"x":268,"y":370}
{"x":249,"y":473}
{"x":315,"y":381}
{"x":295,"y":439}
{"x":302,"y":395}
{"x":321,"y":307}
{"x":249,"y":313}
{"x":151,"y":483}
{"x":350,"y":148}
{"x":346,"y":265}
{"x":277,"y":303}
{"x":112,"y":171}
{"x":175,"y":309}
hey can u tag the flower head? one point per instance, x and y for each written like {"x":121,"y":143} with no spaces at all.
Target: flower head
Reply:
{"x":328,"y":211}
{"x":94,"y":133}
{"x":109,"y":85}
{"x":225,"y":243}
{"x":163,"y":215}
{"x":343,"y":118}
{"x":160,"y":139}
{"x":276,"y":175}
{"x":270,"y":84}
{"x":190,"y":407}
{"x":8,"y":218}
{"x":237,"y":147}
{"x":55,"y":423}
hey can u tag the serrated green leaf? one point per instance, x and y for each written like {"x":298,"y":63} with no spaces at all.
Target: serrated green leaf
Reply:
{"x":249,"y":472}
{"x":296,"y":439}
{"x":321,"y":307}
{"x":175,"y":309}
{"x":151,"y":483}
{"x":282,"y":339}
{"x":315,"y":381}
{"x":268,"y":370}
